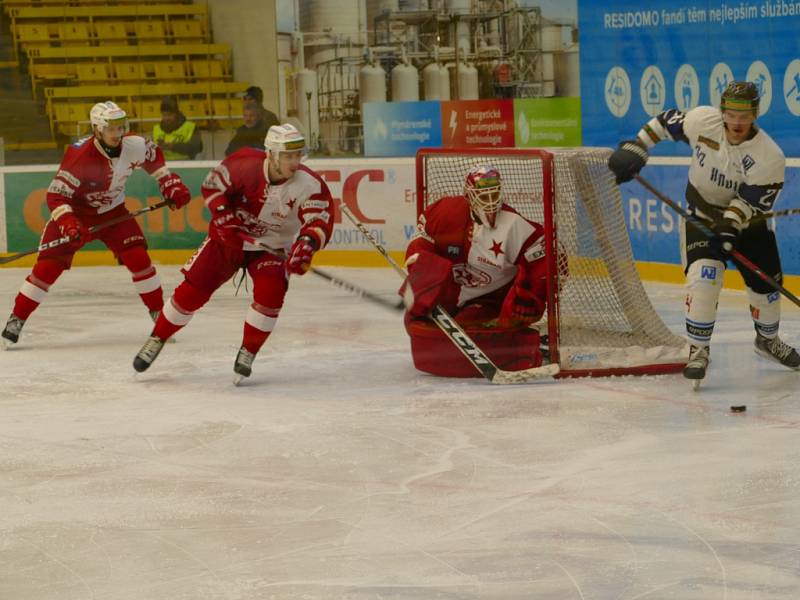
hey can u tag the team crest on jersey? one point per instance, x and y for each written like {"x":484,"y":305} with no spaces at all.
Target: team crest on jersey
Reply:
{"x":256,"y":227}
{"x":102,"y":198}
{"x":467,"y":276}
{"x":747,"y":162}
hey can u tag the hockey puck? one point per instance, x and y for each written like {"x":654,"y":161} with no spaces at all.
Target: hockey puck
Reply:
{"x":739,"y":408}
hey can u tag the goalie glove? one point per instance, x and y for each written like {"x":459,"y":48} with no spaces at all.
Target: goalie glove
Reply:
{"x":627,"y":160}
{"x":300,"y":256}
{"x":428,"y":278}
{"x":174,"y":191}
{"x":72,"y":227}
{"x":525,"y":302}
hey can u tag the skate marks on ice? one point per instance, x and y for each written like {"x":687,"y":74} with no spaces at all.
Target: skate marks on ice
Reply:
{"x":337,"y":471}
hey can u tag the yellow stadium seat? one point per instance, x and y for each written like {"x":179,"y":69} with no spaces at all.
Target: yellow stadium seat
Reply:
{"x":188,"y":30}
{"x":129,"y":71}
{"x":111,"y":31}
{"x":169,"y":71}
{"x":149,"y":30}
{"x":31,"y":35}
{"x":147,"y":109}
{"x":193,"y":109}
{"x":67,"y":115}
{"x":92,"y":72}
{"x":207,"y":69}
{"x":227,"y":108}
{"x":74,"y":33}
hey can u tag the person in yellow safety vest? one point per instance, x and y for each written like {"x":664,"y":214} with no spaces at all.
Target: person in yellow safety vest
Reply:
{"x":178,"y":138}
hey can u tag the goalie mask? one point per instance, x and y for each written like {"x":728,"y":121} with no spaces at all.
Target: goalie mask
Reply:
{"x":740,"y":96}
{"x":482,"y":189}
{"x":285,"y":146}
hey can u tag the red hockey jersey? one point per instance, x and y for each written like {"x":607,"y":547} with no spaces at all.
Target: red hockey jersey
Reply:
{"x":273,"y":213}
{"x":484,"y":259}
{"x":93,"y":183}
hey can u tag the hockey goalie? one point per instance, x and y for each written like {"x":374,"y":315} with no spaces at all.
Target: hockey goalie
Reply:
{"x":483,"y":263}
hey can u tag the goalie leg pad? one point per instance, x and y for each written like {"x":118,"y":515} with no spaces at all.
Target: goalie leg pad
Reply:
{"x":434,"y":353}
{"x":766,"y":312}
{"x":703,"y":285}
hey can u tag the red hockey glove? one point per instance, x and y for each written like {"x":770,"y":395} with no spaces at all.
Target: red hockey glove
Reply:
{"x":174,"y":191}
{"x":524,"y":304}
{"x":428,"y":278}
{"x":73,"y":228}
{"x":300,"y":256}
{"x":225,"y":227}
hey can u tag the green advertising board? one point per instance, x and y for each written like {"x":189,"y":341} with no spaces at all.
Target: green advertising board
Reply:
{"x":542,"y":122}
{"x":26,"y":210}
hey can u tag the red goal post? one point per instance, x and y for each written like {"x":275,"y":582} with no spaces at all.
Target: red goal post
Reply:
{"x":599,"y":319}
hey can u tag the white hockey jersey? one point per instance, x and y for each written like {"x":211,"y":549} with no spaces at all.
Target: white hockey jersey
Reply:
{"x":747,"y":176}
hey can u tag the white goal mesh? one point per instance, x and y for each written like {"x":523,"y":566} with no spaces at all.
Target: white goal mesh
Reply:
{"x":600,"y":320}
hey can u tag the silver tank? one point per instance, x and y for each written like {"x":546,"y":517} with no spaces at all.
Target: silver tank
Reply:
{"x":405,"y":83}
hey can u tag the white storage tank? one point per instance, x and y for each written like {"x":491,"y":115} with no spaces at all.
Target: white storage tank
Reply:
{"x":307,"y":103}
{"x":467,"y":82}
{"x":348,"y":17}
{"x":567,"y":72}
{"x":372,"y":83}
{"x":552,"y":38}
{"x":436,"y":82}
{"x":405,"y":83}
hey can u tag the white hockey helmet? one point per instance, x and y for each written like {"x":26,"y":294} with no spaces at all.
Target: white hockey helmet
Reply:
{"x":108,"y":113}
{"x":482,"y":189}
{"x":284,"y":138}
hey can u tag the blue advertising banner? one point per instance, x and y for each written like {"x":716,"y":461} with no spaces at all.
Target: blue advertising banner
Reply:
{"x":638,"y":59}
{"x":655,"y":229}
{"x":400,"y":128}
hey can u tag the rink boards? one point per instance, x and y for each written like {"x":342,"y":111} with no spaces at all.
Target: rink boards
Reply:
{"x":381,"y":192}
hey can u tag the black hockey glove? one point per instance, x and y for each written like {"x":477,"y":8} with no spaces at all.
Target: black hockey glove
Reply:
{"x":727,"y":234}
{"x":627,"y":160}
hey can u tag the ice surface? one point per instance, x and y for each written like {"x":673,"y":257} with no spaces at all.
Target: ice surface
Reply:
{"x":338,"y":471}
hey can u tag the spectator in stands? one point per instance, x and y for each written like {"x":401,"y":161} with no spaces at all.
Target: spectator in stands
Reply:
{"x":178,"y":138}
{"x":255,"y":94}
{"x":252,"y":133}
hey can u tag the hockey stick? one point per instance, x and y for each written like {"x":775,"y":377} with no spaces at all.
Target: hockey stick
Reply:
{"x":346,"y":285}
{"x":777,"y":213}
{"x":455,"y":333}
{"x":739,"y":259}
{"x":96,"y":228}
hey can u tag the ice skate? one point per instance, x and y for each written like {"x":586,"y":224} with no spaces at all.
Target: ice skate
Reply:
{"x":696,"y":366}
{"x":243,"y":365}
{"x":151,"y":349}
{"x":154,"y":316}
{"x":12,"y":330}
{"x":774,"y":349}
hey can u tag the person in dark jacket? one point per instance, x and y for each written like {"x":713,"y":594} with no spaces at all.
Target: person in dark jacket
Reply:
{"x":252,"y":133}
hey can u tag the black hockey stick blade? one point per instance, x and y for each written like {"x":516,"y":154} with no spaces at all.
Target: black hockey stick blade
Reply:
{"x":358,"y":291}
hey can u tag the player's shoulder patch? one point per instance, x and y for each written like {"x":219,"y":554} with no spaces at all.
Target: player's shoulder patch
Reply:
{"x":81,"y":141}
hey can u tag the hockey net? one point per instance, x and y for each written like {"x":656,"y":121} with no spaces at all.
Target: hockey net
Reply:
{"x":599,"y":318}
